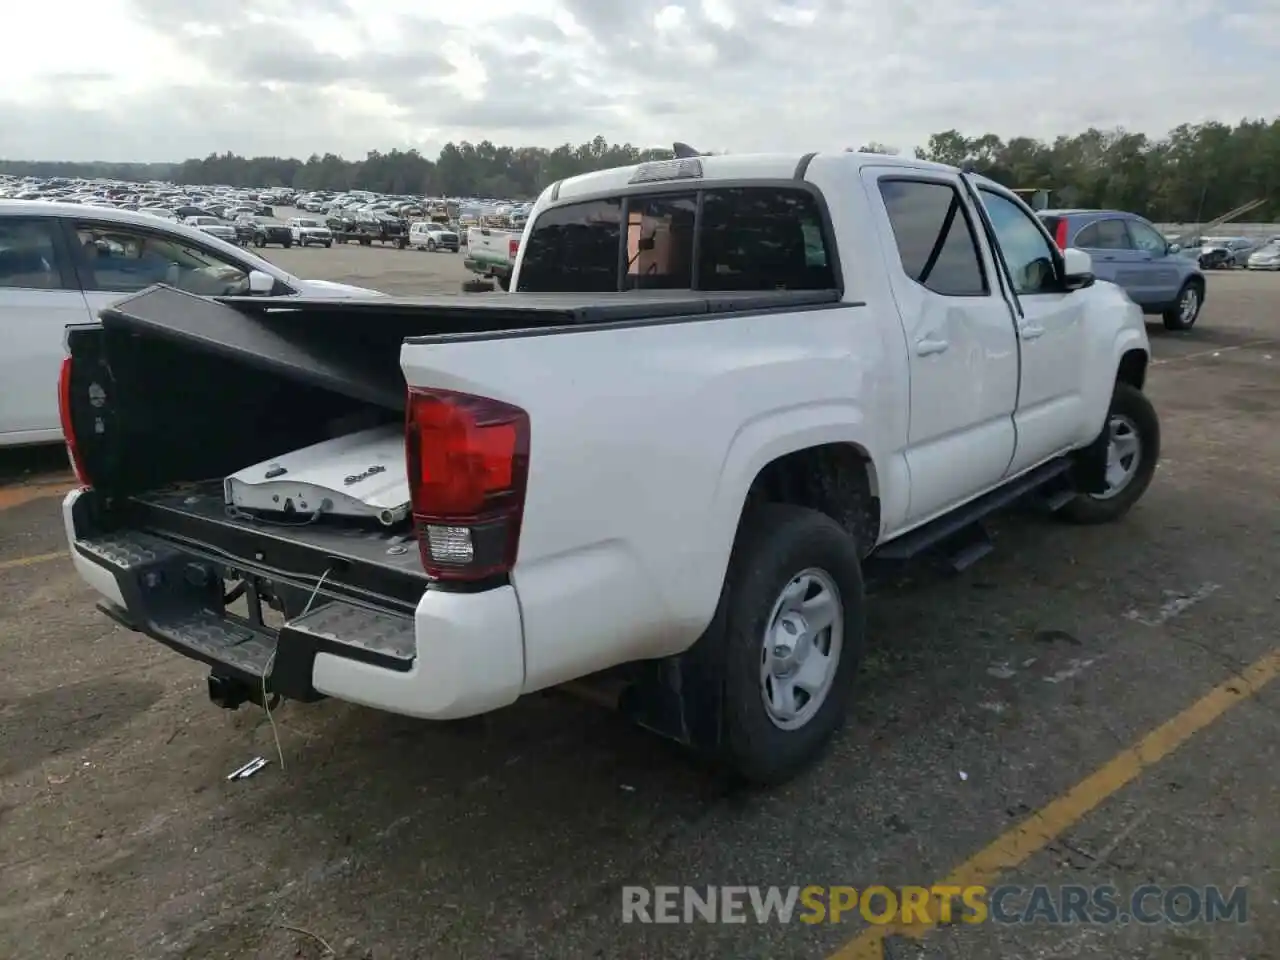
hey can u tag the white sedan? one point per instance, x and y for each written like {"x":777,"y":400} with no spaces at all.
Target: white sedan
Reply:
{"x":61,"y":263}
{"x":1265,"y":258}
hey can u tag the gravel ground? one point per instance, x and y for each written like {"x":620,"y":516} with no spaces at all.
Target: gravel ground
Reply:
{"x":986,"y":696}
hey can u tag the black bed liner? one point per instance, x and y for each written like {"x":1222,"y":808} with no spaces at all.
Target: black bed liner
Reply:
{"x":352,"y":347}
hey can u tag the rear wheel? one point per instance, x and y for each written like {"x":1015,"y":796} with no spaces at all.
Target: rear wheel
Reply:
{"x":1186,"y":309}
{"x":1132,"y":437}
{"x":793,"y":638}
{"x":431,"y":246}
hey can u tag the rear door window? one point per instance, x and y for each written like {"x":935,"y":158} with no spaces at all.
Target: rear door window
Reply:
{"x":29,"y":254}
{"x":1104,"y":235}
{"x":935,"y":239}
{"x":739,"y":238}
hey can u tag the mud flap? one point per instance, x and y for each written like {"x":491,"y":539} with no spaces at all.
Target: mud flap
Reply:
{"x":682,"y":697}
{"x":1089,"y":473}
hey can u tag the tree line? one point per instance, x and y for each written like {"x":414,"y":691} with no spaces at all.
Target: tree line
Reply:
{"x":1193,"y":174}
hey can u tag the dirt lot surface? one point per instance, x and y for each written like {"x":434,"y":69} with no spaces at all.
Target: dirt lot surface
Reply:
{"x":991,"y":742}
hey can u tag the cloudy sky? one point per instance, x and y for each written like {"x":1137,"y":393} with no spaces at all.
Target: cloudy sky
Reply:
{"x":170,"y":79}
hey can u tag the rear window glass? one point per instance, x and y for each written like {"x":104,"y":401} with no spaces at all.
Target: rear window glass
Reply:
{"x":1051,"y":224}
{"x":574,"y":248}
{"x":749,"y":238}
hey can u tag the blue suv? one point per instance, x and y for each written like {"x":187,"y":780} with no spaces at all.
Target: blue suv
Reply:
{"x":1134,"y":255}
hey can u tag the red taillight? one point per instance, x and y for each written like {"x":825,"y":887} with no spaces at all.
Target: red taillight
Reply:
{"x":1060,"y":235}
{"x":513,"y":248}
{"x":468,"y":463}
{"x":64,"y":414}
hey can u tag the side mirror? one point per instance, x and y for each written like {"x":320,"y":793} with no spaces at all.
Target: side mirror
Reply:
{"x":261,"y":284}
{"x":1077,"y":269}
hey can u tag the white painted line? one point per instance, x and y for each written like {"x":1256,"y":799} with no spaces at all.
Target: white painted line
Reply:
{"x":1177,"y":604}
{"x":1074,"y":669}
{"x":1212,"y":353}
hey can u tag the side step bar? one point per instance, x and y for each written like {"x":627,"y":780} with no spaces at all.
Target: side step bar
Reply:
{"x":962,"y":528}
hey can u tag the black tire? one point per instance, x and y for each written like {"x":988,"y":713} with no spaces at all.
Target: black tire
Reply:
{"x":259,"y":242}
{"x":288,"y":244}
{"x":1138,"y":417}
{"x":431,"y":246}
{"x":328,"y":244}
{"x":1186,"y":309}
{"x":776,"y":543}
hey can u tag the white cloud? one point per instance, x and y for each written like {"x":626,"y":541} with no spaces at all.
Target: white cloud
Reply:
{"x":167,"y":79}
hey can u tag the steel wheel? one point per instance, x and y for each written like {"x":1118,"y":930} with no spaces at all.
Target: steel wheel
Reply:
{"x":800,"y":650}
{"x":1124,"y":455}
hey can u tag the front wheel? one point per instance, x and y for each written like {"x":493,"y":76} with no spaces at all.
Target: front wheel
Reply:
{"x":794,"y":626}
{"x":1132,"y":438}
{"x":431,"y":246}
{"x":328,"y":244}
{"x":1186,"y":309}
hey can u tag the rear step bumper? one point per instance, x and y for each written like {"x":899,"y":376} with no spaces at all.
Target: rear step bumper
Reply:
{"x":455,"y":655}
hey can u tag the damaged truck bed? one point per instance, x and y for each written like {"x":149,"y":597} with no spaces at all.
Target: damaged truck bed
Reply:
{"x":170,"y":394}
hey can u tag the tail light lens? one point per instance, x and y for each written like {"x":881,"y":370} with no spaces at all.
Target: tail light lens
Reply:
{"x":468,"y":464}
{"x":1060,"y":235}
{"x":513,"y":248}
{"x":64,"y":415}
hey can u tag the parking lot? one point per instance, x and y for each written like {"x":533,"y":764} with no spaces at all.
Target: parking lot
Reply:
{"x":1085,"y":706}
{"x":400,"y":272}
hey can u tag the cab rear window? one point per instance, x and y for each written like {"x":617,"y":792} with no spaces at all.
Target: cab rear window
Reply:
{"x":731,"y":238}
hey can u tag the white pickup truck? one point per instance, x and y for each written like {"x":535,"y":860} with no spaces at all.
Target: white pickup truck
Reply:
{"x":722,"y":389}
{"x":491,"y":253}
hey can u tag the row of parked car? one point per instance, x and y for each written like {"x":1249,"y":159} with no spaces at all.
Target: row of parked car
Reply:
{"x":1229,"y":253}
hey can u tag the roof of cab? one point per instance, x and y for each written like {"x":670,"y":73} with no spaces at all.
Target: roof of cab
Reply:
{"x":738,"y":166}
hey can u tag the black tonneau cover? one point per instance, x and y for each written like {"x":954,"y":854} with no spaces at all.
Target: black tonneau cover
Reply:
{"x":352,"y":347}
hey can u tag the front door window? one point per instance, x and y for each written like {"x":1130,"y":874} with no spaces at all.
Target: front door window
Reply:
{"x":119,"y":259}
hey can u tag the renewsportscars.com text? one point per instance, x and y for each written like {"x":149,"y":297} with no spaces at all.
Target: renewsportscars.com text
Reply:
{"x":1006,"y":904}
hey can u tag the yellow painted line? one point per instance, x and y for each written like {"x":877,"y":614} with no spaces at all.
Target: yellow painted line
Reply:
{"x":1047,"y":824}
{"x":30,"y":561}
{"x":16,"y":496}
